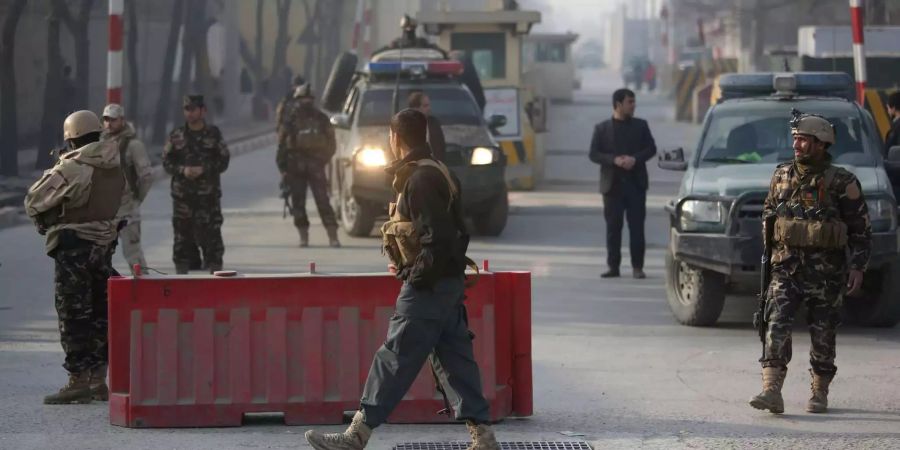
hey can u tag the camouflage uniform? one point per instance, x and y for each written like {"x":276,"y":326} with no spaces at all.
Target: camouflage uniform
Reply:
{"x":813,"y":276}
{"x":306,"y":144}
{"x":196,"y":209}
{"x":74,"y":204}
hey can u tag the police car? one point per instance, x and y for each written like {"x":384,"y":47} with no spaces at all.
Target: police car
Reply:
{"x":715,"y":222}
{"x":361,"y":106}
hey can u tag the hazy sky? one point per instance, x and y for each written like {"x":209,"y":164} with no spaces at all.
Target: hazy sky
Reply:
{"x":579,"y":16}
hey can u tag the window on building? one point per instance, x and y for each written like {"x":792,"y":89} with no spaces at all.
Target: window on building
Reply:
{"x":554,"y":52}
{"x":487,"y":50}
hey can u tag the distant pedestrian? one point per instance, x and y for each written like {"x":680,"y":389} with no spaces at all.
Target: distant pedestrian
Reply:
{"x":893,"y":138}
{"x":420,"y":101}
{"x":138,"y":172}
{"x":195,"y":155}
{"x":74,"y":204}
{"x":622,"y":146}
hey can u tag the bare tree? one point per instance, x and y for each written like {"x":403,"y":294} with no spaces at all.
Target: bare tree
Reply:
{"x":160,"y":118}
{"x":9,"y":121}
{"x":282,"y":40}
{"x":191,"y":37}
{"x":132,"y":106}
{"x":51,"y":122}
{"x":77,"y":24}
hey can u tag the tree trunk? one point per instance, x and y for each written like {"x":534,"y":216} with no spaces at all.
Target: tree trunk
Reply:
{"x":160,"y":118}
{"x":279,"y":57}
{"x":132,"y":105}
{"x":9,"y":121}
{"x":310,"y":57}
{"x":877,"y":12}
{"x":51,"y":122}
{"x":188,"y":46}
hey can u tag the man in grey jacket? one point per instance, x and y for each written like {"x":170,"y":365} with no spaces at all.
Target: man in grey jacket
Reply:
{"x":138,"y":176}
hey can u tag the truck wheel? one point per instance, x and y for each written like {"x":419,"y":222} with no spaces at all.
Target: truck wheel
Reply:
{"x":339,"y":81}
{"x":696,"y":296}
{"x":879,"y":305}
{"x":357,"y":217}
{"x":492,"y":221}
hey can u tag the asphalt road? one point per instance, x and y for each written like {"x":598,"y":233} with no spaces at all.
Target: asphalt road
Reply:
{"x":611,"y":366}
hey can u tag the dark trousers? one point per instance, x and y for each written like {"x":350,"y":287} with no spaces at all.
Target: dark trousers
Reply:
{"x":197,"y":227}
{"x":428,"y":324}
{"x":81,"y":274}
{"x":625,"y":200}
{"x":312,"y":175}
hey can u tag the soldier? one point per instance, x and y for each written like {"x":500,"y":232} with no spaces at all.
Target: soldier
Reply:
{"x":195,"y":155}
{"x":429,"y":321}
{"x":821,"y":241}
{"x":135,"y":164}
{"x":305,"y":146}
{"x":74,"y":204}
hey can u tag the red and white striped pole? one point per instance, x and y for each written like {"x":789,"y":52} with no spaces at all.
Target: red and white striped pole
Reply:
{"x":114,"y":55}
{"x":357,"y":26}
{"x":367,"y":29}
{"x":859,"y":55}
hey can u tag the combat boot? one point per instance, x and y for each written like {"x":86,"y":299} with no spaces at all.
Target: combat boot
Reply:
{"x":355,"y":438}
{"x":99,"y":389}
{"x":77,"y":390}
{"x":213,"y":268}
{"x":770,"y":397}
{"x":304,"y":237}
{"x":818,"y":403}
{"x":333,"y":238}
{"x":181,"y":268}
{"x":482,"y":437}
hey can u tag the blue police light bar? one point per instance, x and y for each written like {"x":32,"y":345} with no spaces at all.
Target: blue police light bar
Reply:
{"x":828,"y":84}
{"x":415,"y":68}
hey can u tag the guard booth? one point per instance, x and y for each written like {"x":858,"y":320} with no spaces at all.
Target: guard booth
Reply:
{"x":494,"y":42}
{"x":550,"y":55}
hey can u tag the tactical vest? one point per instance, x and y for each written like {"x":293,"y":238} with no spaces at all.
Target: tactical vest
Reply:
{"x":808,"y":218}
{"x":400,"y":240}
{"x":103,"y":200}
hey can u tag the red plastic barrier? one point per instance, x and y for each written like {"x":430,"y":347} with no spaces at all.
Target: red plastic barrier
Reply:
{"x":203,"y":351}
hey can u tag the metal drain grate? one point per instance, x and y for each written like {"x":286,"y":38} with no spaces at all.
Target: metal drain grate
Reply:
{"x":533,"y":445}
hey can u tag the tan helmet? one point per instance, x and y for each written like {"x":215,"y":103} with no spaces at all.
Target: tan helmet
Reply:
{"x":80,"y":123}
{"x":814,"y":125}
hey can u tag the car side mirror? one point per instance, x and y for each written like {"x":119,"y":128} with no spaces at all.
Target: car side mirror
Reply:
{"x":893,"y":157}
{"x":496,"y":121}
{"x":673,"y":160}
{"x":341,"y":121}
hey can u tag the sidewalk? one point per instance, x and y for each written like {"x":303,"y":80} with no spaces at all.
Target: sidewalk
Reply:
{"x":242,"y":137}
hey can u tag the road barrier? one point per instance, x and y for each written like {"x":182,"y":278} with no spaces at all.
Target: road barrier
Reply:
{"x":201,"y":351}
{"x":687,"y":81}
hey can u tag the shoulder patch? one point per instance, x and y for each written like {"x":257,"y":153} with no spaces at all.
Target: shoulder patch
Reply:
{"x":852,"y":190}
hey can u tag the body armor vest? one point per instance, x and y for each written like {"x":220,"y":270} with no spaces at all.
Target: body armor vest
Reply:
{"x":806,"y":217}
{"x":401,"y":243}
{"x":103,"y":201}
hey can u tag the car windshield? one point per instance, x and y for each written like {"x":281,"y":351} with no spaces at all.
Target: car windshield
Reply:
{"x":759,"y":132}
{"x":452,"y":106}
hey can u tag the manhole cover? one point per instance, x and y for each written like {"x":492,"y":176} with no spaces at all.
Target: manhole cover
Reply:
{"x":533,"y":445}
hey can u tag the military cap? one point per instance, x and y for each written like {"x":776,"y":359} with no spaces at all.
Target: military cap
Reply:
{"x":193,"y":100}
{"x":298,"y":80}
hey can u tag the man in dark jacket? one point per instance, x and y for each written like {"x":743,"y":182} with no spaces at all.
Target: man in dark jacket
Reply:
{"x":429,"y":322}
{"x":893,"y":137}
{"x":622,"y":146}
{"x":419,"y":101}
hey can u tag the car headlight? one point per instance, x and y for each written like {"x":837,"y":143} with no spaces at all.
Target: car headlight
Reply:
{"x":703,"y":215}
{"x":882,"y":214}
{"x":482,"y":156}
{"x":372,"y":157}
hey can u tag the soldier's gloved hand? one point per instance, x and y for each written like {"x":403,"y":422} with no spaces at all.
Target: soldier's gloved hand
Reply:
{"x":854,"y":282}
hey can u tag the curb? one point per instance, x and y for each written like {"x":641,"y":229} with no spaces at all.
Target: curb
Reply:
{"x":11,"y":216}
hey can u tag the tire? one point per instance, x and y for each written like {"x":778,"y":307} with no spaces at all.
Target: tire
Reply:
{"x":492,"y":221}
{"x":696,"y":296}
{"x":357,"y":217}
{"x":339,"y":81}
{"x":879,"y":305}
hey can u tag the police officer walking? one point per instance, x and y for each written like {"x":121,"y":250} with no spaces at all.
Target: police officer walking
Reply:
{"x":135,"y":164}
{"x":430,"y":317}
{"x":74,"y":204}
{"x":821,"y":241}
{"x":305,"y":146}
{"x":195,"y":155}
